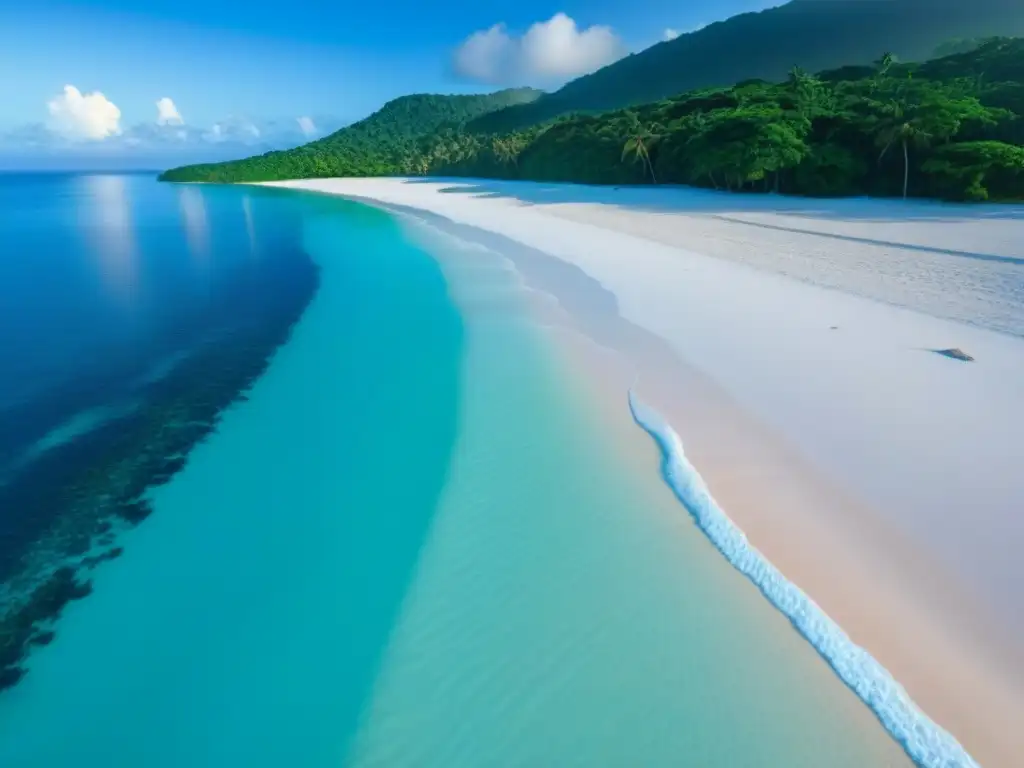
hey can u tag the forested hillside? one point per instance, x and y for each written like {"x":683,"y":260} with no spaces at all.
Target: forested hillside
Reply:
{"x":811,"y":34}
{"x":369,"y":147}
{"x":945,"y":128}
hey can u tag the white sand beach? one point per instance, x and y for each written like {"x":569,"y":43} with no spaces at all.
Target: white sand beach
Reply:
{"x":791,"y":344}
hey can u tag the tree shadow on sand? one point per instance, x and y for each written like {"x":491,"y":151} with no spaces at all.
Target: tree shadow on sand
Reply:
{"x":727,"y":206}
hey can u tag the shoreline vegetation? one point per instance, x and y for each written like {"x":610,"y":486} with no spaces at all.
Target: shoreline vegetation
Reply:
{"x":949,"y":128}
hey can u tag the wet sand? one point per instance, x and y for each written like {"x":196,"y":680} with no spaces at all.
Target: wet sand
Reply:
{"x":889,"y":596}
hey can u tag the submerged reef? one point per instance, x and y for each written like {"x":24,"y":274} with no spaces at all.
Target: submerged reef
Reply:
{"x":63,"y":510}
{"x":23,"y":624}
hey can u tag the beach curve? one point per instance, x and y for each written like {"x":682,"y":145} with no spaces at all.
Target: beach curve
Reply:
{"x":927,"y":743}
{"x":879,"y":597}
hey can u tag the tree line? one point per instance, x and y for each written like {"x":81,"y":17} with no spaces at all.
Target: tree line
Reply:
{"x":766,"y":44}
{"x":947,"y":129}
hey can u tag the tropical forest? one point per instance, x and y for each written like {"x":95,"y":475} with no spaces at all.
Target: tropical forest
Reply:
{"x":950,"y":127}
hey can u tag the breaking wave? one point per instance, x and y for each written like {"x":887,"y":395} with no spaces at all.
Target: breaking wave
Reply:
{"x":927,"y":743}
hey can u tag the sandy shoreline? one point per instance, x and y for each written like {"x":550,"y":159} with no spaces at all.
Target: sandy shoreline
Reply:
{"x":799,"y":438}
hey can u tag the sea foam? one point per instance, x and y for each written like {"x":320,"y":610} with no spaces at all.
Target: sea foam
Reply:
{"x":928,"y":744}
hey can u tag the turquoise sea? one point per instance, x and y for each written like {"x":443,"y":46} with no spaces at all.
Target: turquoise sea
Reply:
{"x":292,"y":481}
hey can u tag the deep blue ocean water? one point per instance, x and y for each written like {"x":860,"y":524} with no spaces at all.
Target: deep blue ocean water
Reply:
{"x":128,"y":302}
{"x":127,"y":325}
{"x":292,"y":484}
{"x":105,"y":278}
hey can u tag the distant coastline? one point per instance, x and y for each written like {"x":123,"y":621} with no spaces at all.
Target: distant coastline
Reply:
{"x":948,"y":128}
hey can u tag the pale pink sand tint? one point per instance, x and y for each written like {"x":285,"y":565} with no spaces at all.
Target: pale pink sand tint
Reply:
{"x":874,"y":476}
{"x":888,"y":595}
{"x":911,"y":615}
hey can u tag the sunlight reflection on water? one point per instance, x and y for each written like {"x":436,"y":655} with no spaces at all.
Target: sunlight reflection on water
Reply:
{"x":112,"y":232}
{"x":197,"y":228}
{"x":250,"y":228}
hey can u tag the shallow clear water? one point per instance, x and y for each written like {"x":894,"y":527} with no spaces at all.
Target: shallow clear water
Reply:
{"x":417,"y":542}
{"x":243,"y":622}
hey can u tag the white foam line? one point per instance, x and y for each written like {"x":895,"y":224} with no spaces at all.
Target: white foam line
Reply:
{"x":927,"y":743}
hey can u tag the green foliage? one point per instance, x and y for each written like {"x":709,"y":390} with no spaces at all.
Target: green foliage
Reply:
{"x":382,"y":144}
{"x":830,"y":170}
{"x":957,"y":45}
{"x":937,"y":129}
{"x":997,"y":59}
{"x":813,"y":34}
{"x":640,"y":140}
{"x":739,"y":147}
{"x":978,"y":170}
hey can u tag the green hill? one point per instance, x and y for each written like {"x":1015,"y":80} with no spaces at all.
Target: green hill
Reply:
{"x":367,"y":147}
{"x":812,"y":34}
{"x":948,"y":128}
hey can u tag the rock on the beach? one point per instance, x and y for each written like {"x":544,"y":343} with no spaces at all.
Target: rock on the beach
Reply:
{"x":955,"y":353}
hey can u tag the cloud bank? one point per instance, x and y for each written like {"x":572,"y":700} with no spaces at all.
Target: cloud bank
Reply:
{"x":550,"y":51}
{"x":671,"y":33}
{"x":167,"y":113}
{"x":306,"y":125}
{"x":85,"y":129}
{"x":89,"y":116}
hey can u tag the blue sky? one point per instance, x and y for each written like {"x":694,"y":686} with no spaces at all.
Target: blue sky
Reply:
{"x":242,"y":77}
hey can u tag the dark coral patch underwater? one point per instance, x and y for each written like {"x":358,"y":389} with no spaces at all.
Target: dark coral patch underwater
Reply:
{"x":62,"y":511}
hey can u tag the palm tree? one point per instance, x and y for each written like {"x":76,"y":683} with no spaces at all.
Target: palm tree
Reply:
{"x":507,"y":149}
{"x":501,"y":150}
{"x":441,"y":154}
{"x":905,"y":129}
{"x":882,"y":67}
{"x":799,"y":80}
{"x":408,"y":164}
{"x":807,"y":89}
{"x":641,"y":139}
{"x":885,"y":63}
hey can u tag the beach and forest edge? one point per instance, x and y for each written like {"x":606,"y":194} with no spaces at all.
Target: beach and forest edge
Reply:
{"x":652,"y":409}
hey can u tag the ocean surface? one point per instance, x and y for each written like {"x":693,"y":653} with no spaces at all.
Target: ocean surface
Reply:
{"x":290,"y":480}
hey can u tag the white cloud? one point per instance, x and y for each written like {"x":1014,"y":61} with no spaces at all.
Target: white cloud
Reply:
{"x":167,"y":113}
{"x":84,"y":116}
{"x":158,"y":134}
{"x":29,"y":135}
{"x":550,"y":50}
{"x":557,"y":48}
{"x":486,"y":55}
{"x":160,"y":141}
{"x":239,"y":130}
{"x":671,"y":33}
